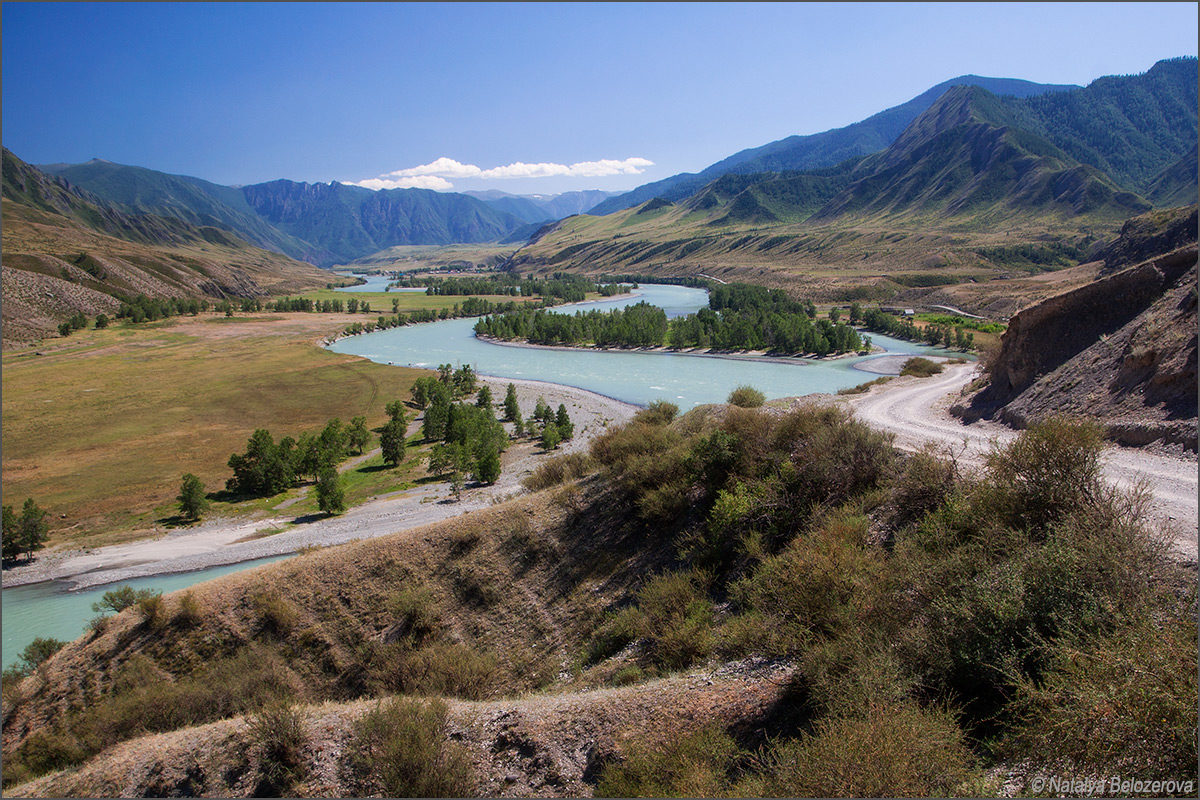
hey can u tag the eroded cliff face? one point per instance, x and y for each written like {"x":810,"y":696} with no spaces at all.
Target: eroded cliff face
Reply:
{"x":1121,"y":350}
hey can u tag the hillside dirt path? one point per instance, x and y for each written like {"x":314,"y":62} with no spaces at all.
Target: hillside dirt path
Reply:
{"x":915,"y":410}
{"x":225,"y":541}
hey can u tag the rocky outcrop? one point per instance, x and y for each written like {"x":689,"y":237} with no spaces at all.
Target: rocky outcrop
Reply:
{"x":1120,"y":350}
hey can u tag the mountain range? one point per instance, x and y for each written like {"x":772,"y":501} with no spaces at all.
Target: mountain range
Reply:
{"x":974,"y":182}
{"x":971,"y":151}
{"x":822,"y":149}
{"x":67,"y":250}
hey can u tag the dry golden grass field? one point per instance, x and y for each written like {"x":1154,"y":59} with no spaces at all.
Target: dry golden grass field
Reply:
{"x":99,"y":427}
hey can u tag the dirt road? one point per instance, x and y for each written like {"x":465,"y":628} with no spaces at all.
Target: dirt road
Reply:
{"x":915,"y":410}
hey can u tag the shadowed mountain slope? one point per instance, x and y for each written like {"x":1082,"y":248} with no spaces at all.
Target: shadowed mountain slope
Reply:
{"x":67,"y":250}
{"x":348,"y":222}
{"x":146,"y":191}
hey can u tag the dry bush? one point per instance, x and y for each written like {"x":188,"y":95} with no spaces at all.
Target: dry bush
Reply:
{"x":863,"y":388}
{"x":416,"y":613}
{"x":276,"y":613}
{"x":817,"y":584}
{"x":400,"y":749}
{"x":659,"y":412}
{"x":1123,"y":703}
{"x":276,"y":734}
{"x":151,"y":607}
{"x":143,"y":700}
{"x":921,"y":367}
{"x":696,"y":764}
{"x":894,"y":750}
{"x":924,"y":483}
{"x":1049,"y":471}
{"x":438,"y":669}
{"x":552,"y":472}
{"x":673,"y":616}
{"x":187,"y":613}
{"x":746,"y":397}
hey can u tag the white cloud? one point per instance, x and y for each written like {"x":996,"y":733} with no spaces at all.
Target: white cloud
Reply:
{"x":581,"y":169}
{"x":443,"y":167}
{"x":415,"y":182}
{"x":436,"y":174}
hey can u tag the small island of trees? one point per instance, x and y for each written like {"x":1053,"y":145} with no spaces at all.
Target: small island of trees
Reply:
{"x":738,"y":317}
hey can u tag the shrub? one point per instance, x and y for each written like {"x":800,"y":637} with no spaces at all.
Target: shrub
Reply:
{"x":1050,"y":470}
{"x":923,"y":484}
{"x":400,"y":749}
{"x":188,"y":612}
{"x":150,"y":606}
{"x":122,"y":598}
{"x":416,"y":612}
{"x":898,"y":750}
{"x":569,"y":466}
{"x":1122,"y":703}
{"x":747,"y":397}
{"x":276,"y":614}
{"x":694,"y":764}
{"x":921,"y":367}
{"x":277,"y":735}
{"x":674,"y":617}
{"x":38,"y":651}
{"x":659,"y":412}
{"x":817,"y":585}
{"x":863,"y":388}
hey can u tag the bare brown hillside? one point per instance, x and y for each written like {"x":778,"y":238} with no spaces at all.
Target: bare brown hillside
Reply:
{"x":66,"y":251}
{"x":1120,"y":350}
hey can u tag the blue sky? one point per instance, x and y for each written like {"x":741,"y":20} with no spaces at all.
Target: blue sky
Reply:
{"x":583,"y":95}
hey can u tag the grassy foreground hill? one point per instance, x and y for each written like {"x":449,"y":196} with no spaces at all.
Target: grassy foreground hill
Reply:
{"x":788,"y":606}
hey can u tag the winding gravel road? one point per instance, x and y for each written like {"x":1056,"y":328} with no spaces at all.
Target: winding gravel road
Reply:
{"x":915,"y":410}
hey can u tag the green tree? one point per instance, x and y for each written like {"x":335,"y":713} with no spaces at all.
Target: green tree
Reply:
{"x":487,"y":469}
{"x":101,"y":321}
{"x":32,"y":529}
{"x":331,"y":498}
{"x":65,"y":329}
{"x":512,"y":411}
{"x":562,"y":421}
{"x":12,"y":535}
{"x":484,"y":400}
{"x":192,"y":502}
{"x":391,"y":441}
{"x":451,"y":458}
{"x":395,"y":409}
{"x":357,"y":434}
{"x":423,"y":390}
{"x":463,"y":380}
{"x":550,"y":437}
{"x":121,"y":598}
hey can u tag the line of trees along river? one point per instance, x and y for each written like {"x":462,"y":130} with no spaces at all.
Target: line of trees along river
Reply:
{"x":739,"y":317}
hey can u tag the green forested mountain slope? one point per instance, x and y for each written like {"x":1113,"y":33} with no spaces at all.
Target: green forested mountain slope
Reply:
{"x":821,"y":149}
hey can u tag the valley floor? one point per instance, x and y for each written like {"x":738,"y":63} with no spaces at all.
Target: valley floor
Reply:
{"x":913,"y":409}
{"x":225,"y":541}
